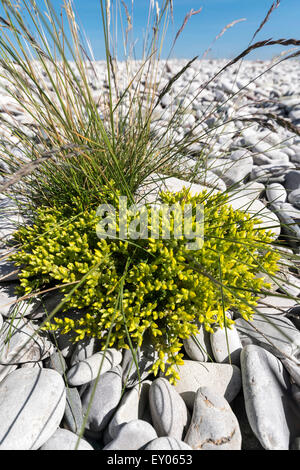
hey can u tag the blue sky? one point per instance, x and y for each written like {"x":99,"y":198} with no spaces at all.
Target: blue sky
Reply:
{"x":204,"y":27}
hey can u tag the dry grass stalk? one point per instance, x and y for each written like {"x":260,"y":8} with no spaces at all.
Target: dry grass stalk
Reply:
{"x":186,"y":19}
{"x":228,"y":26}
{"x":266,"y":19}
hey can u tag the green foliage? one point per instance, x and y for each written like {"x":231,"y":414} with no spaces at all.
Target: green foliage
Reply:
{"x":152,"y":286}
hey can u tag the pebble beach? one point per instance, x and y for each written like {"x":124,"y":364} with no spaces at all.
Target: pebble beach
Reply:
{"x":242,"y":385}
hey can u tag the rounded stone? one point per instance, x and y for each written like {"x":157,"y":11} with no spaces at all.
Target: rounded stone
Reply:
{"x":26,"y":343}
{"x":100,"y":400}
{"x":226,"y":345}
{"x":132,"y":407}
{"x":63,"y":439}
{"x":269,"y":221}
{"x":132,"y":436}
{"x":213,"y":425}
{"x":276,"y":192}
{"x":274,"y":333}
{"x":169,"y":413}
{"x":32,"y":404}
{"x":198,"y":347}
{"x":292,"y":180}
{"x":224,"y":378}
{"x":271,"y":411}
{"x":85,"y":371}
{"x":73,"y":417}
{"x":9,"y":307}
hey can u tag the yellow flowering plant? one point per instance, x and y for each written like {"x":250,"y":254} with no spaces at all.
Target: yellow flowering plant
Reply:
{"x":166,"y":289}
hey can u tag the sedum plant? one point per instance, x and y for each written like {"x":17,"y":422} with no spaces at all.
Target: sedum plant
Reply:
{"x":150,"y":287}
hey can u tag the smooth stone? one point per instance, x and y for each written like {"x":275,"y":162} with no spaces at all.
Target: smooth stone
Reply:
{"x":132,"y":436}
{"x":210,"y":179}
{"x":167,"y":443}
{"x":32,"y":404}
{"x":271,"y":411}
{"x":274,"y":333}
{"x":73,"y":416}
{"x":85,"y":371}
{"x":292,"y":180}
{"x":270,"y":173}
{"x":213,"y":425}
{"x":170,"y":416}
{"x":56,"y":362}
{"x":9,"y":307}
{"x":275,"y":305}
{"x":226,"y":345}
{"x":276,"y":193}
{"x":107,"y":393}
{"x":233,"y":170}
{"x":288,"y":283}
{"x":198,"y":347}
{"x":84,"y":349}
{"x":294,"y":198}
{"x":224,"y":378}
{"x":251,"y":190}
{"x":132,"y":406}
{"x":155,"y":183}
{"x":291,"y":211}
{"x":146,"y":355}
{"x":63,"y":439}
{"x":25,"y":343}
{"x":256,"y":208}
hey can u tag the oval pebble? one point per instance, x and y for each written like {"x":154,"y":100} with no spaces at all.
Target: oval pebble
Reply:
{"x":198,"y":347}
{"x":271,"y":411}
{"x":132,"y":436}
{"x":32,"y":404}
{"x":100,"y":400}
{"x":226,"y":345}
{"x":169,"y":413}
{"x":73,"y":417}
{"x":85,"y":371}
{"x":63,"y":439}
{"x":276,"y":192}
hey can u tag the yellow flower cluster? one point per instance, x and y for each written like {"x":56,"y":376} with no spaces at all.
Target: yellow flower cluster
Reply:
{"x":157,"y":286}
